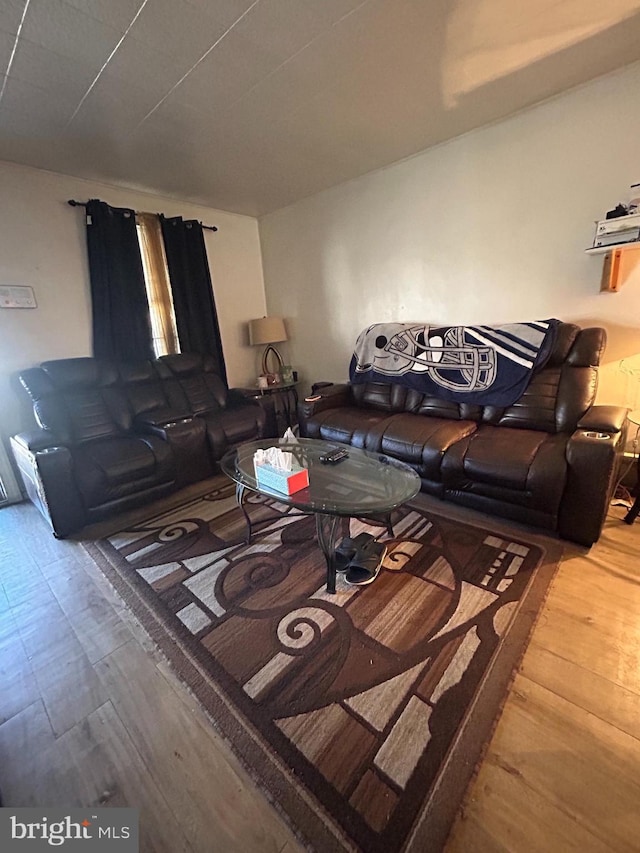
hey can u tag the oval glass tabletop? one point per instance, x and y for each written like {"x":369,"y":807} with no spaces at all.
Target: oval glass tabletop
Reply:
{"x":363,"y":484}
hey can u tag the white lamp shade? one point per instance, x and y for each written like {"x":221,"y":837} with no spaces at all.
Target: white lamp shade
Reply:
{"x":267,"y":330}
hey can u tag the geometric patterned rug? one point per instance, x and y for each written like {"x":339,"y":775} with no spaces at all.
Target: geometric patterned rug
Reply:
{"x":363,"y":714}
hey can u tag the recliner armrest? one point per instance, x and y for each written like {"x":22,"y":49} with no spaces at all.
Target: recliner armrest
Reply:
{"x":47,"y":471}
{"x":593,"y":457}
{"x":36,"y":440}
{"x":604,"y":419}
{"x":188,"y":442}
{"x":330,"y":397}
{"x":159,"y":418}
{"x":242,"y":397}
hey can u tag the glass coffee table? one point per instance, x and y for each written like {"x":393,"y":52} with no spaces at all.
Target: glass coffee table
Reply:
{"x":364,"y":485}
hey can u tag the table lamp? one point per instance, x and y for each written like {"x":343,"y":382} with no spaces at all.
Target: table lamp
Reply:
{"x":268,"y":330}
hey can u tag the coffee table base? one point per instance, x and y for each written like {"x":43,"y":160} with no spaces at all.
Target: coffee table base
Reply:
{"x":327,"y":531}
{"x":327,"y":527}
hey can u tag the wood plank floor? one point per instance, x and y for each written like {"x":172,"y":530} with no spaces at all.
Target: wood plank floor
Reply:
{"x":562,"y":772}
{"x":90,"y":714}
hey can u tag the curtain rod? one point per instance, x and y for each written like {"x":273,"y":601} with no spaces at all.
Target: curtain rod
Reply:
{"x":74,"y":203}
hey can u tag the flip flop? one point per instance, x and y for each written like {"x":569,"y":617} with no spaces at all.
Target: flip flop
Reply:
{"x":366,"y":564}
{"x":348,"y":548}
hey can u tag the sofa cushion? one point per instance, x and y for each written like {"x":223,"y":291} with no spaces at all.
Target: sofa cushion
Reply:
{"x":346,"y":424}
{"x":114,"y":468}
{"x":418,"y":440}
{"x":142,"y":387}
{"x":527,"y":467}
{"x":78,"y":399}
{"x":204,"y":389}
{"x":228,"y":427}
{"x":421,"y":441}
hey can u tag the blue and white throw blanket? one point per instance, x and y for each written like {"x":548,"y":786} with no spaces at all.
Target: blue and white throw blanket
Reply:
{"x":483,"y":365}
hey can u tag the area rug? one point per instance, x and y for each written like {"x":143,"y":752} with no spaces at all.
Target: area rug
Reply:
{"x":361,"y":714}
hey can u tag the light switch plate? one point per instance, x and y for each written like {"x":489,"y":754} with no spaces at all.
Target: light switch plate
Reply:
{"x":17,"y":297}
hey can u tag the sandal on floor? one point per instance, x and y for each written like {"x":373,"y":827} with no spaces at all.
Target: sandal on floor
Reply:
{"x":366,"y":564}
{"x":348,"y":548}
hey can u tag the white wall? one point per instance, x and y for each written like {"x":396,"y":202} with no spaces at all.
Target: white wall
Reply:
{"x":42,"y":244}
{"x":488,"y":228}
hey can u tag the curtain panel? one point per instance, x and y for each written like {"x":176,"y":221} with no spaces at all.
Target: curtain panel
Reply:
{"x":120,"y":310}
{"x":193,"y":301}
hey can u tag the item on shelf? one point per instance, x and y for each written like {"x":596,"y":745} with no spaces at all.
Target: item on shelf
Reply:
{"x":634,"y":198}
{"x":268,"y":380}
{"x":612,"y":232}
{"x":616,"y":238}
{"x":622,"y":223}
{"x":618,"y":210}
{"x":287,"y":374}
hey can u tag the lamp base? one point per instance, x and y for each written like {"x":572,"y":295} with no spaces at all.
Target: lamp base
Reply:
{"x":272,"y":352}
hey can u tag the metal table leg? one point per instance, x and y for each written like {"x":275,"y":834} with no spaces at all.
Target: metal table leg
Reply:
{"x":633,"y":513}
{"x":240,"y":492}
{"x":327,"y":527}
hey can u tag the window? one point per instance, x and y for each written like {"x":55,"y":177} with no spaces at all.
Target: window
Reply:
{"x":156,"y":275}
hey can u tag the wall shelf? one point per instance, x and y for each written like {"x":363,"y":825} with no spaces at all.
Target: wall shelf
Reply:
{"x":619,"y":262}
{"x":601,"y":250}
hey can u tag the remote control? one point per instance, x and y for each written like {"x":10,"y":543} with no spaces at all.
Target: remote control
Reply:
{"x":334,"y":457}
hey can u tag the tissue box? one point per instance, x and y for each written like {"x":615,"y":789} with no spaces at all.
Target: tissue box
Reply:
{"x":286,"y":482}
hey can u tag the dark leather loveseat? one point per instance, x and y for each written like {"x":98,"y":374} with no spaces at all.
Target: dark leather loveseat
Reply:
{"x":549,"y":460}
{"x":113,"y":436}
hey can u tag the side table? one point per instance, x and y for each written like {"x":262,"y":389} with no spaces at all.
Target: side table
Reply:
{"x":634,"y":512}
{"x":280,"y":403}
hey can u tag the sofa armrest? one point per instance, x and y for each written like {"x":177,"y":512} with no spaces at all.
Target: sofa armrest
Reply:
{"x":37,"y":439}
{"x":329,"y":397}
{"x":159,"y":418}
{"x":604,"y":419}
{"x":47,"y":471}
{"x":241,"y":396}
{"x":593,"y":458}
{"x":187,"y":438}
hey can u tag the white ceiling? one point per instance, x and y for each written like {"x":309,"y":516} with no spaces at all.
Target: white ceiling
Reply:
{"x":249,"y":105}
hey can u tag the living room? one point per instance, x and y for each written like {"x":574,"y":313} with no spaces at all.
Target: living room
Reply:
{"x":487,"y":224}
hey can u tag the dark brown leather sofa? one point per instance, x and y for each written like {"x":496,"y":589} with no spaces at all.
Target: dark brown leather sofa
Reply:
{"x":113,"y":436}
{"x":550,"y":460}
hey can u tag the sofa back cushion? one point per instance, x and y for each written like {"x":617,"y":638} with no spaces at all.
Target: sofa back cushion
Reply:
{"x":392,"y":397}
{"x":559,"y":395}
{"x":144,"y":388}
{"x":78,"y":399}
{"x":195,"y":374}
{"x":382,"y":396}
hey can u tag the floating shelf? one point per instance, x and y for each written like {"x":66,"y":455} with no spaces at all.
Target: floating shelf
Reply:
{"x":619,"y":262}
{"x":601,"y":250}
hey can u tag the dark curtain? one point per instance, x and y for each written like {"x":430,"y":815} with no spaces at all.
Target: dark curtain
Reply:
{"x":193,"y":302}
{"x":121,"y":322}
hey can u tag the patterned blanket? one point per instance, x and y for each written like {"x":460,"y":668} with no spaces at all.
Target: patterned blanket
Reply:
{"x":483,"y":365}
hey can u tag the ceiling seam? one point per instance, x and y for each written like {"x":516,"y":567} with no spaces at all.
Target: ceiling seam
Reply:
{"x":108,"y":60}
{"x":195,"y":65}
{"x":297,"y":53}
{"x":15,"y":46}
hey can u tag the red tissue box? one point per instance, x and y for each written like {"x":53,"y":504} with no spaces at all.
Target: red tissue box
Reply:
{"x":286,"y":482}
